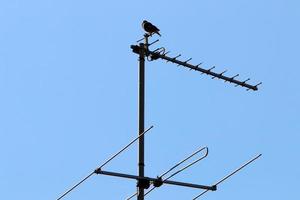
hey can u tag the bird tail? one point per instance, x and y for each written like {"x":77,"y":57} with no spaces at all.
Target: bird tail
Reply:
{"x":158,"y":33}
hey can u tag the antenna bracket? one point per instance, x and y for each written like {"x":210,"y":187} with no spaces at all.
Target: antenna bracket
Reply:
{"x":158,"y":182}
{"x":143,"y":183}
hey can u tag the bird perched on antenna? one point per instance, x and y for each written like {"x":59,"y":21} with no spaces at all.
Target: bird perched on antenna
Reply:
{"x":150,"y":28}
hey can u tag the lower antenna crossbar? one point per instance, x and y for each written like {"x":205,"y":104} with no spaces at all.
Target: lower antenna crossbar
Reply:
{"x":191,"y":185}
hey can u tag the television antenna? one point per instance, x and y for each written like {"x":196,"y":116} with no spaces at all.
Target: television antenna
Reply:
{"x":144,"y":182}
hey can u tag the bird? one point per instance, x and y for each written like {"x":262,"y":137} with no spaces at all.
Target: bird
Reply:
{"x":150,"y":28}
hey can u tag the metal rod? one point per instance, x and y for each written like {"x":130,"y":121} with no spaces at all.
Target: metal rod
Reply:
{"x":191,"y":185}
{"x":187,"y":158}
{"x":189,"y":165}
{"x":258,"y":84}
{"x":234,"y":77}
{"x":238,"y":169}
{"x":141,"y":116}
{"x":202,"y":193}
{"x":223,"y":72}
{"x":145,"y":36}
{"x":196,"y":66}
{"x":188,"y":60}
{"x":115,"y":155}
{"x":76,"y":185}
{"x":105,"y":163}
{"x":174,"y":58}
{"x":246,"y":80}
{"x":133,"y":195}
{"x":231,"y":174}
{"x":211,"y":68}
{"x":153,"y":42}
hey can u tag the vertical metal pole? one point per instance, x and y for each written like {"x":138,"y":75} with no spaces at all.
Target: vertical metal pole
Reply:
{"x":141,"y":116}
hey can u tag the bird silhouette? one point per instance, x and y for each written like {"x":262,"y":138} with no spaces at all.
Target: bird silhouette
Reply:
{"x":150,"y":28}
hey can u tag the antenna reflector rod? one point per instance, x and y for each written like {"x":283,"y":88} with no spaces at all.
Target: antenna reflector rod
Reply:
{"x":124,"y":148}
{"x":231,"y":174}
{"x":105,"y":163}
{"x":238,"y":169}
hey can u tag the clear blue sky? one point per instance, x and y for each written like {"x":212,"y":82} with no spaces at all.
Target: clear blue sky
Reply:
{"x":68,"y":84}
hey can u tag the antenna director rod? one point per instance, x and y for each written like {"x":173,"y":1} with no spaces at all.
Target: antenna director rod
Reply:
{"x":212,"y":188}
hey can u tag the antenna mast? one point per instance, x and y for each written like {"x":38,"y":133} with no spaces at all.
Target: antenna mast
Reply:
{"x":141,"y":184}
{"x":144,"y":182}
